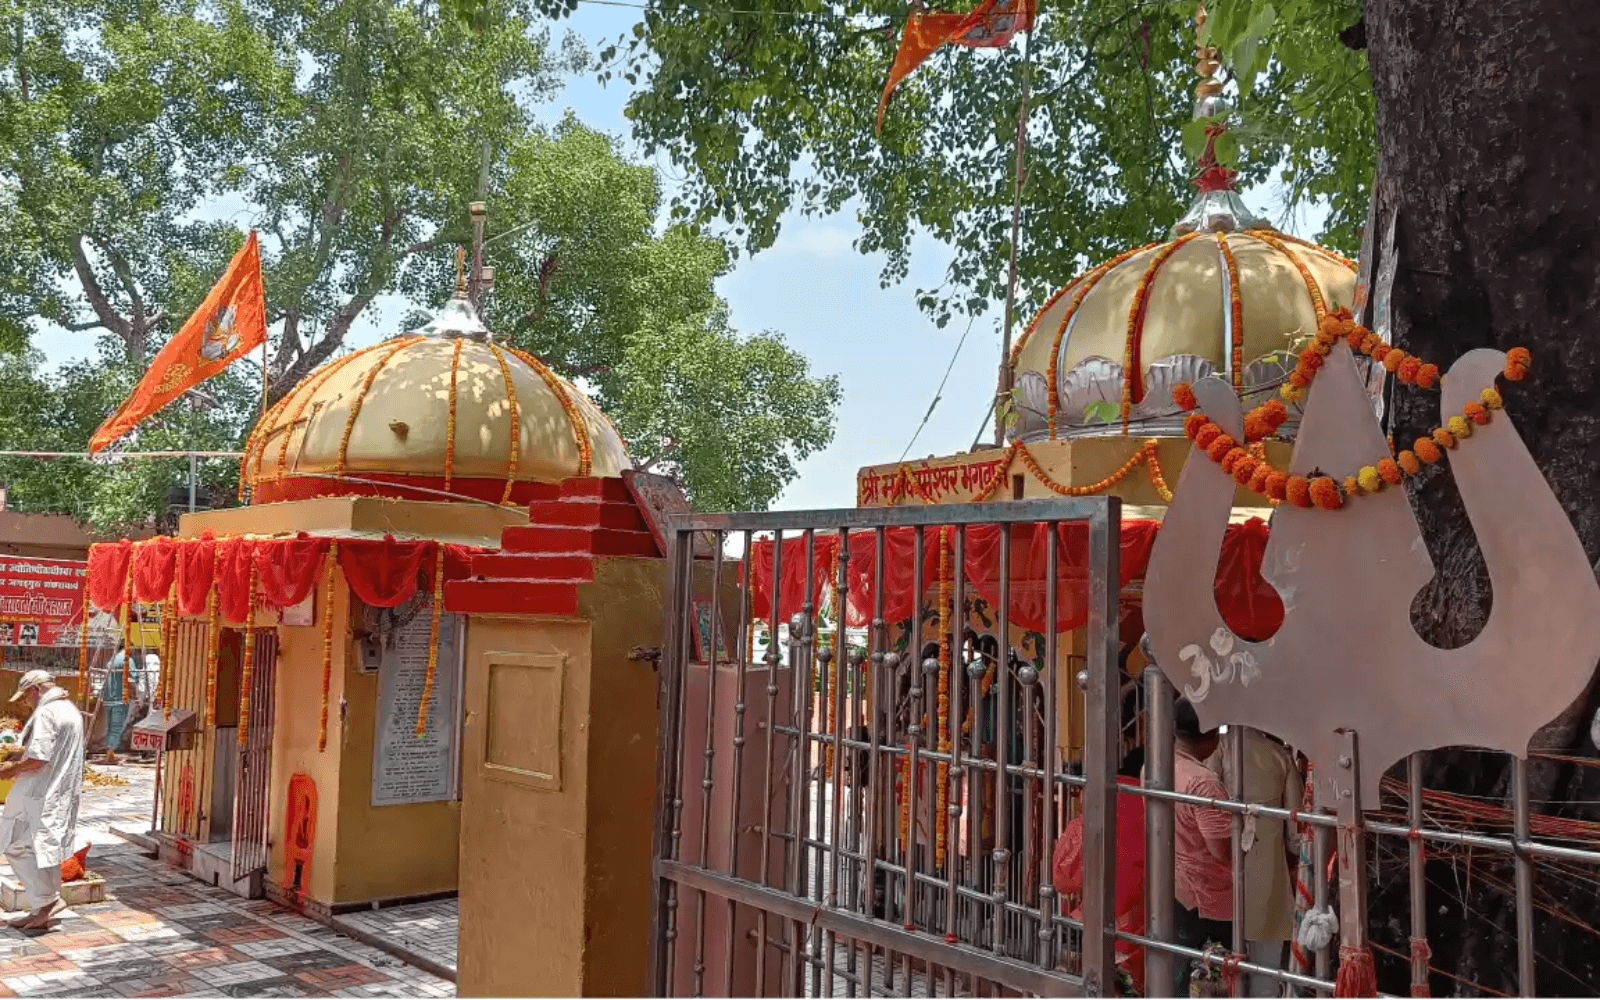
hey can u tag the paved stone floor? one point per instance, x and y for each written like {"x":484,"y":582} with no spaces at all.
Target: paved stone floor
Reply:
{"x":160,"y":933}
{"x":425,"y":929}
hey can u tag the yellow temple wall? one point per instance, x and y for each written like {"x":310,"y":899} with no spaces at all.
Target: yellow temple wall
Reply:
{"x":294,"y":741}
{"x":362,"y":852}
{"x":386,"y":851}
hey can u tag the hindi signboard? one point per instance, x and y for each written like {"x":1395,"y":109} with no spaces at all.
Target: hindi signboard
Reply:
{"x":407,"y":768}
{"x":41,"y":604}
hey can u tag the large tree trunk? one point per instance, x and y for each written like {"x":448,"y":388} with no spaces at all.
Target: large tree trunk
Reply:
{"x":1489,"y":153}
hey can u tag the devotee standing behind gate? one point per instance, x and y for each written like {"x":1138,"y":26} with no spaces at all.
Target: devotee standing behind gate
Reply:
{"x":1202,"y":844}
{"x":38,"y":826}
{"x":1270,"y":779}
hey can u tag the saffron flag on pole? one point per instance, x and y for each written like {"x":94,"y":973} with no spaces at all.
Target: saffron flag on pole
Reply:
{"x":230,"y":322}
{"x":991,"y":24}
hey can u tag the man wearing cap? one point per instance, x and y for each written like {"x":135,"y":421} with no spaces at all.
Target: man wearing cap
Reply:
{"x":38,"y":826}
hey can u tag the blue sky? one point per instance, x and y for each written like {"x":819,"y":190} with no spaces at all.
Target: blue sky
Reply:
{"x":824,"y":297}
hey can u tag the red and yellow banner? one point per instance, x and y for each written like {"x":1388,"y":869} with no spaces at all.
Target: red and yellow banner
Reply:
{"x":991,"y":24}
{"x":232,"y":321}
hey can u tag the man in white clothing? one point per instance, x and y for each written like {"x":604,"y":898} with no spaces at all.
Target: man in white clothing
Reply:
{"x":38,"y":826}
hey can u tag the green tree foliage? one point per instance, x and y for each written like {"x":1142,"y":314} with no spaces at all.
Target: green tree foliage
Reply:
{"x":771,"y":109}
{"x":588,"y":286}
{"x":139,"y":140}
{"x":57,"y":410}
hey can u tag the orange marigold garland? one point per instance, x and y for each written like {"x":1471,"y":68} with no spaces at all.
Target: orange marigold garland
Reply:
{"x":213,"y":647}
{"x":329,"y":563}
{"x":433,"y":640}
{"x":366,"y":387}
{"x":83,"y":650}
{"x":1131,"y":372}
{"x":305,"y":391}
{"x":248,"y":660}
{"x":580,"y":433}
{"x":169,"y":625}
{"x":1153,"y":467}
{"x":515,"y":427}
{"x":947,"y":614}
{"x":1325,"y":492}
{"x":126,"y":613}
{"x":450,"y":419}
{"x":1087,"y":283}
{"x":1235,"y":314}
{"x":1183,"y":396}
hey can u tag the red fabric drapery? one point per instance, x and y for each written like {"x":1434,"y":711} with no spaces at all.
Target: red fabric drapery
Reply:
{"x":383,"y":572}
{"x":1248,"y":604}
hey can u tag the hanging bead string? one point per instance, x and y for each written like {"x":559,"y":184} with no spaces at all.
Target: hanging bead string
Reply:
{"x":515,"y":428}
{"x":366,"y":387}
{"x":213,"y":647}
{"x":247,"y":669}
{"x":1260,"y":476}
{"x":126,"y":613}
{"x":433,"y":639}
{"x":329,"y":564}
{"x":83,"y":652}
{"x":947,"y":613}
{"x":169,"y":628}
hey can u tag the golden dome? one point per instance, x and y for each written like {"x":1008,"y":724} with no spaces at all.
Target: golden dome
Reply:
{"x":428,"y":413}
{"x":1207,"y":302}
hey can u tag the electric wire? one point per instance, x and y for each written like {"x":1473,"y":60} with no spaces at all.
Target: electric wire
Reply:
{"x":938,"y":393}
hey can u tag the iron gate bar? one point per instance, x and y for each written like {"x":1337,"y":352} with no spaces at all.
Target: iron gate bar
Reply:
{"x":909,"y":943}
{"x":995,"y":892}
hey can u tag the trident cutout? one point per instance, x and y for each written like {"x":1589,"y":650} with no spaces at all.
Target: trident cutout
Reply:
{"x":1347,"y":659}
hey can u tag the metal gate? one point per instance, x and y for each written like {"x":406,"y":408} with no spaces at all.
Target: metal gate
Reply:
{"x":254,"y":782}
{"x":915,"y":860}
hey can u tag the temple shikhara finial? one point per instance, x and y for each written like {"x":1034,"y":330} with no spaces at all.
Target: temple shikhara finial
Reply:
{"x":1218,"y":207}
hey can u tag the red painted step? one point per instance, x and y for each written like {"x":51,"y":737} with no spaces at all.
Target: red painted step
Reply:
{"x":595,"y":487}
{"x":594,"y":541}
{"x":566,"y":567}
{"x":587,"y":513}
{"x":514,"y":597}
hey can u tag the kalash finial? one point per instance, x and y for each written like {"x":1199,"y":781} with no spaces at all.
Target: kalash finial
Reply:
{"x":457,"y":318}
{"x":1218,"y":207}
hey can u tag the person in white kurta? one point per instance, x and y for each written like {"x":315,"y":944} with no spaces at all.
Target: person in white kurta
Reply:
{"x":38,"y":825}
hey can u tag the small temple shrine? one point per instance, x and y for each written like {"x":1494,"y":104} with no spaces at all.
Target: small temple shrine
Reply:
{"x":380,"y":668}
{"x":1088,"y":410}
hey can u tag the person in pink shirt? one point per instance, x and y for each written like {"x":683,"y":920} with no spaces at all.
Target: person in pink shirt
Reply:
{"x":1202,"y":844}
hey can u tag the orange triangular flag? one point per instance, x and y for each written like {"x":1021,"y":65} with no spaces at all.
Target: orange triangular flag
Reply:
{"x":231,"y":322}
{"x":991,"y":24}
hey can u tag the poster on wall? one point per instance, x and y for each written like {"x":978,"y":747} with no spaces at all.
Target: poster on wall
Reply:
{"x":407,"y":768}
{"x":41,"y":604}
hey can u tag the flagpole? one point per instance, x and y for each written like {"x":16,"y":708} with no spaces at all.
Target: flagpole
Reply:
{"x":263,"y":378}
{"x":1004,"y":385}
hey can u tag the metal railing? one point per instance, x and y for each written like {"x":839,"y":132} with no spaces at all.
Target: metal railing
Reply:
{"x":820,"y":832}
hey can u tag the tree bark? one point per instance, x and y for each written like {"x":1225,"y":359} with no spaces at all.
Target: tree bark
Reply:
{"x":1489,"y":154}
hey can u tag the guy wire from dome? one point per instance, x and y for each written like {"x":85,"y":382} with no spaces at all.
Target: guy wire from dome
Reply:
{"x":1226,"y":294}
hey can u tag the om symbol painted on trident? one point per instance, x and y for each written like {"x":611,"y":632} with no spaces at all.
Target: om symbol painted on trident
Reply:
{"x":1229,"y":666}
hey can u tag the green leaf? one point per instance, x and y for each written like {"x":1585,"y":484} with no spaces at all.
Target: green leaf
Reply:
{"x":1227,"y":149}
{"x":1102,"y":411}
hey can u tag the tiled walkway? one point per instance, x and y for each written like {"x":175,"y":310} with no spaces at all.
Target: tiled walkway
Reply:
{"x":164,"y":934}
{"x":425,"y":929}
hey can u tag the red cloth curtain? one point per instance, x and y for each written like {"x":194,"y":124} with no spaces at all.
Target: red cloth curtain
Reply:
{"x":793,"y":571}
{"x":287,"y":568}
{"x":196,"y":569}
{"x":108,"y":573}
{"x":1029,"y":572}
{"x":1249,"y":605}
{"x":382,"y":572}
{"x":154,"y":566}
